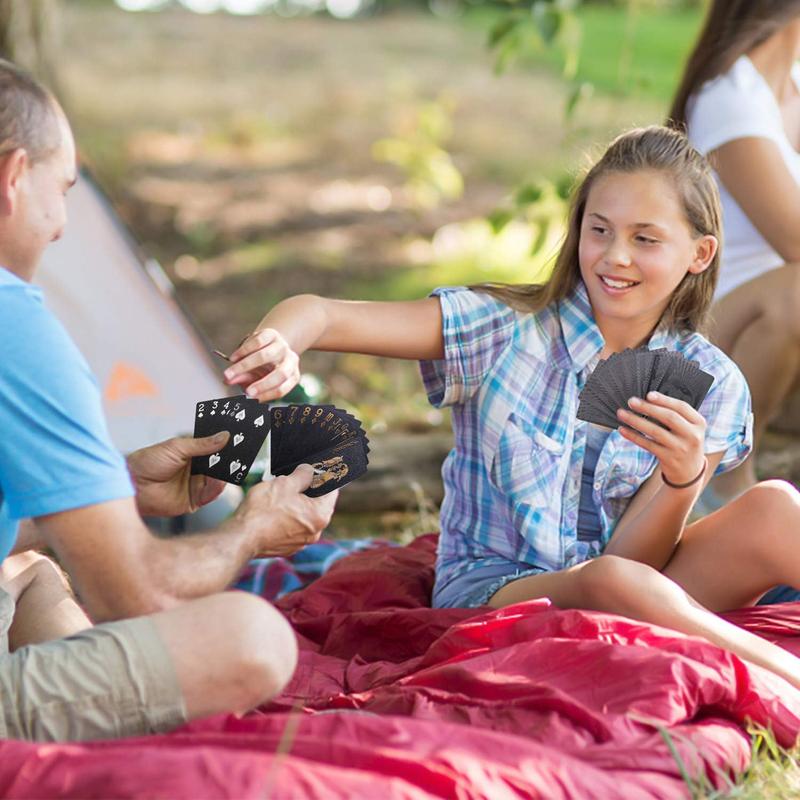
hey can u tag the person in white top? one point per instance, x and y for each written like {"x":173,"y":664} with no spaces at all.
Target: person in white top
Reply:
{"x":739,"y":100}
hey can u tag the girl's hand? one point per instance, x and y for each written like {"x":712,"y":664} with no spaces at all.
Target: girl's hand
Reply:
{"x":678,"y":446}
{"x":265,"y":365}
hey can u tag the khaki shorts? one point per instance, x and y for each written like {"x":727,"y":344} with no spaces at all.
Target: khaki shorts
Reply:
{"x":110,"y":681}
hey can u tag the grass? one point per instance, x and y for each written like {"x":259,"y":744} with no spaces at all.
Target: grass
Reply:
{"x":638,"y":55}
{"x":622,"y":54}
{"x":773,"y":773}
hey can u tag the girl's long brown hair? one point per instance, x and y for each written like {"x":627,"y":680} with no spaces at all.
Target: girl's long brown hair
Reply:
{"x":732,"y":28}
{"x":658,"y":149}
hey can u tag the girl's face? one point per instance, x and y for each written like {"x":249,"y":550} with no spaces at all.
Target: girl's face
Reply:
{"x":635,"y":247}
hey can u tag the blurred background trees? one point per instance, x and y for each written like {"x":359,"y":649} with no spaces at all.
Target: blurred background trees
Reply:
{"x":28,"y":35}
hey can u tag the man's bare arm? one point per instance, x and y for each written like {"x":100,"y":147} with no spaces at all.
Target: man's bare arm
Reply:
{"x":119,"y":569}
{"x":28,"y":538}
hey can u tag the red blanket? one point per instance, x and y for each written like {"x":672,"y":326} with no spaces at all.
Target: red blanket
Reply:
{"x":393,"y":699}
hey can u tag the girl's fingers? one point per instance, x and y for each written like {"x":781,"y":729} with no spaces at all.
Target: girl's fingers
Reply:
{"x":653,"y":431}
{"x":678,"y":406}
{"x":266,"y":357}
{"x":668,"y":417}
{"x":273,"y":385}
{"x":244,"y":379}
{"x":253,"y":342}
{"x":646,"y":444}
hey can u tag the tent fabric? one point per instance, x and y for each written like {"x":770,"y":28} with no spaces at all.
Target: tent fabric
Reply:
{"x":393,"y":699}
{"x":150,"y":361}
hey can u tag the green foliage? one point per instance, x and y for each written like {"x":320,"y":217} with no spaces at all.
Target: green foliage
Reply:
{"x":532,"y":25}
{"x":629,"y":49}
{"x":417,"y":149}
{"x":538,"y":205}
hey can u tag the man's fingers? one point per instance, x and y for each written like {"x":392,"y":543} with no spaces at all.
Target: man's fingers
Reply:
{"x":210,"y":490}
{"x":327,"y":502}
{"x":301,"y":478}
{"x":203,"y":446}
{"x":197,"y":485}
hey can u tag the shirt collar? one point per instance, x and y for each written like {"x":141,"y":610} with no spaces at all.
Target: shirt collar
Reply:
{"x":582,"y":337}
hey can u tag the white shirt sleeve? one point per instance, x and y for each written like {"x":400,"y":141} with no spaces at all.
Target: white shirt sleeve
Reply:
{"x":736,"y":105}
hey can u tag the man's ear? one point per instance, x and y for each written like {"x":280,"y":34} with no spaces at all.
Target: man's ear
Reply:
{"x":12,"y":168}
{"x":705,"y":249}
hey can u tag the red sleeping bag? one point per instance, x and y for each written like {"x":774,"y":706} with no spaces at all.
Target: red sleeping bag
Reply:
{"x":393,"y":699}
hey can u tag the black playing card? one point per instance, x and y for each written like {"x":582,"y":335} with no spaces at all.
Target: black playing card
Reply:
{"x":593,"y":408}
{"x":687,"y":382}
{"x":635,"y":373}
{"x":246,"y":420}
{"x":333,"y":468}
{"x":330,"y":439}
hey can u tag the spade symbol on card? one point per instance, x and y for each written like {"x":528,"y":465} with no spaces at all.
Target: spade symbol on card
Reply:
{"x":259,"y":422}
{"x":244,"y":441}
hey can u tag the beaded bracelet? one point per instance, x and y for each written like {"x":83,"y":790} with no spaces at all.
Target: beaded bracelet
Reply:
{"x":686,"y":485}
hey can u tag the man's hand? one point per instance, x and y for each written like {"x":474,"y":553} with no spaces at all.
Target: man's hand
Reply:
{"x":164,"y":487}
{"x":281,"y":518}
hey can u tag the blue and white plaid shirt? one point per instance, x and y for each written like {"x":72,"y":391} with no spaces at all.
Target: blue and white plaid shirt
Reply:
{"x":513,"y":481}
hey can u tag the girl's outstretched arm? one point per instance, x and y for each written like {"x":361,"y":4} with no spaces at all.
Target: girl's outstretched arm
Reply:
{"x":267,"y":362}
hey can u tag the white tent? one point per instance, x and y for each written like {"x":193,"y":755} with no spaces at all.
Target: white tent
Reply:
{"x":151,"y":363}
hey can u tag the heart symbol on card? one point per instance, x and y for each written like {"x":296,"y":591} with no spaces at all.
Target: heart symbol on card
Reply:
{"x":238,"y":439}
{"x":213,"y":460}
{"x":240,"y":416}
{"x":234,"y":466}
{"x":259,"y":422}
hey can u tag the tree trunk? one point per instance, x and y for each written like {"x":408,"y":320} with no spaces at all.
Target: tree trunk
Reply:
{"x":28,"y":37}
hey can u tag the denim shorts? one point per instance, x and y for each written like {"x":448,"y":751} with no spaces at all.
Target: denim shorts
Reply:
{"x":476,"y":586}
{"x":780,"y":594}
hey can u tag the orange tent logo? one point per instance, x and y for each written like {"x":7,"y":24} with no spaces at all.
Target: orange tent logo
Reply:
{"x":127,"y":381}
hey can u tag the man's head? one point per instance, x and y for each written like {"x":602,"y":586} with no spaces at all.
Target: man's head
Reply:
{"x":37,"y":167}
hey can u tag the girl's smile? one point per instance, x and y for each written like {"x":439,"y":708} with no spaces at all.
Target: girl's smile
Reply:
{"x":636,"y":246}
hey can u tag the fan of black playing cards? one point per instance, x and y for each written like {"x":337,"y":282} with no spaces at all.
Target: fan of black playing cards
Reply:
{"x":634,"y":373}
{"x":329,"y":439}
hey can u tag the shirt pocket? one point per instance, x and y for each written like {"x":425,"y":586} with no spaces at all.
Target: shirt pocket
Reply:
{"x":631,"y":468}
{"x":526,"y":465}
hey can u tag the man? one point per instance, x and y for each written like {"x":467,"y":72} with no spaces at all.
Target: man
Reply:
{"x":172,"y":646}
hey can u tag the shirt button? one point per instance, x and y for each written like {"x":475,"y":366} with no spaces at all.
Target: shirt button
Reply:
{"x":597,"y":485}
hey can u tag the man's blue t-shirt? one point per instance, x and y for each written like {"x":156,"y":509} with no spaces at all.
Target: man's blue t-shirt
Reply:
{"x":55,"y":451}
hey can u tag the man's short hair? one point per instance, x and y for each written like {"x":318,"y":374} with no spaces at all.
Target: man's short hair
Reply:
{"x":28,"y":117}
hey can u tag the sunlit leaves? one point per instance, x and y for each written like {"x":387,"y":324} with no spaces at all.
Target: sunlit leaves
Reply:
{"x":418,"y":151}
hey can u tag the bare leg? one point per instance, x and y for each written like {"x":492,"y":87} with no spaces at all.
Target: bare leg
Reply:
{"x":729,"y":559}
{"x":758,"y":326}
{"x":46,"y":608}
{"x":231,"y":652}
{"x":704,"y":563}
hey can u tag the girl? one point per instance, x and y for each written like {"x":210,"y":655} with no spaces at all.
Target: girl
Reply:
{"x":740,"y":102}
{"x":539,"y":503}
